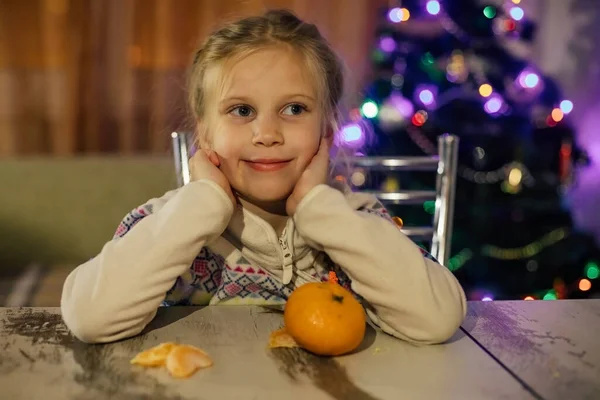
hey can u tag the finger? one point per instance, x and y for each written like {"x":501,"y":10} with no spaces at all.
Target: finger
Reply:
{"x":215,"y":159}
{"x":212,"y":157}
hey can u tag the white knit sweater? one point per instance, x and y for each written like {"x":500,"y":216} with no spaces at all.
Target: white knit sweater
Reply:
{"x":192,"y":247}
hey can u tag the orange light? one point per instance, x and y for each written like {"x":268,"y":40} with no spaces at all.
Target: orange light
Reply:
{"x":557,"y":115}
{"x":585,"y":285}
{"x":528,"y":298}
{"x":405,"y":14}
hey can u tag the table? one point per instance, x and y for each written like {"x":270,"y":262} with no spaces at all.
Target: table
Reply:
{"x":499,"y":353}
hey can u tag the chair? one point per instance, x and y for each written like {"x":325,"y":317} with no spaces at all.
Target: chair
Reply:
{"x":445,"y":165}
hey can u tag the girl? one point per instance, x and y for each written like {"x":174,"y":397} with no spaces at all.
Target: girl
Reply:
{"x":258,"y":219}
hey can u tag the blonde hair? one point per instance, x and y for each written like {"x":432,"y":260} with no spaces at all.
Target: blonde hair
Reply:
{"x":275,"y":27}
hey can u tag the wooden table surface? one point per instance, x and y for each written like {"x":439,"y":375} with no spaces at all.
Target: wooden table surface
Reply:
{"x":505,"y":350}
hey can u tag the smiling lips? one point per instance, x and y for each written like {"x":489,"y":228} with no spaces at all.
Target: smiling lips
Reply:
{"x":267,"y":165}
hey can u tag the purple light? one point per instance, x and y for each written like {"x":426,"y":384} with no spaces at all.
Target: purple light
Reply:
{"x":404,"y":106}
{"x":493,"y":105}
{"x":426,"y":97}
{"x":395,"y":15}
{"x":387,"y":44}
{"x":433,"y":7}
{"x":353,"y":135}
{"x":528,"y":79}
{"x":566,"y":106}
{"x":517,"y":13}
{"x":487,"y":298}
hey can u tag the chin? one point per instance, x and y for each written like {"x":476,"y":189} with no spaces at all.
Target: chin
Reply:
{"x":266,"y":194}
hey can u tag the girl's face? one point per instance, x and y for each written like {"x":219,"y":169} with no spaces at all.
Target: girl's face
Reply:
{"x":264,"y":123}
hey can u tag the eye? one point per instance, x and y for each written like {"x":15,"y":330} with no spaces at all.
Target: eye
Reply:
{"x":241,"y":111}
{"x":294,"y":109}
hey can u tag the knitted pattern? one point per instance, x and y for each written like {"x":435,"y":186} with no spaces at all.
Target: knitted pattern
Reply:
{"x":210,"y":280}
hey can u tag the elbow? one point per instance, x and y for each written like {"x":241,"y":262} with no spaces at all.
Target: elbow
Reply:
{"x":82,"y":325}
{"x":442,"y":329}
{"x":435,"y":326}
{"x":92,"y":328}
{"x":441,"y":325}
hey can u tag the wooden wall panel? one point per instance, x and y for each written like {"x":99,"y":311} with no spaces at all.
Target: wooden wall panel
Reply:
{"x":108,"y":76}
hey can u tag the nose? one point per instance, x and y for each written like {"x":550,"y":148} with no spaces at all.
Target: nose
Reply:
{"x":267,"y":131}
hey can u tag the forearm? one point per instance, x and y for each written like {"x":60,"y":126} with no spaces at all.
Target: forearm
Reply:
{"x":117,"y":293}
{"x":412,"y":298}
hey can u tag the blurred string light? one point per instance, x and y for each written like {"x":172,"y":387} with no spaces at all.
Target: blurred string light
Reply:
{"x":557,"y":115}
{"x":458,"y":260}
{"x":390,"y":185}
{"x":592,"y":270}
{"x":566,"y":106}
{"x":387,"y":44}
{"x":395,"y":112}
{"x":528,"y":79}
{"x":358,"y":178}
{"x":517,"y":13}
{"x":419,"y":118}
{"x":470,"y":174}
{"x":527,"y":251}
{"x":494,"y":105}
{"x":433,"y":7}
{"x":485,"y":90}
{"x":426,"y":97}
{"x":399,"y":15}
{"x":550,"y":295}
{"x":369,"y":109}
{"x":489,"y":12}
{"x":584,"y":285}
{"x":429,"y":206}
{"x":352,"y":135}
{"x":529,"y":298}
{"x":457,"y":71}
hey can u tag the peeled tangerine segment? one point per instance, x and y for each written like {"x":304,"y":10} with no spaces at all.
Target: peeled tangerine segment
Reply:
{"x":183,"y":360}
{"x":154,"y":357}
{"x":281,"y":338}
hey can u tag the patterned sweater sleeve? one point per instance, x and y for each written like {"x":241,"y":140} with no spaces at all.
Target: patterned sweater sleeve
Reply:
{"x":117,"y":293}
{"x":407,"y":293}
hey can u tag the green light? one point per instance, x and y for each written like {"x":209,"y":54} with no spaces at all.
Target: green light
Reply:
{"x":592,"y":271}
{"x":550,"y":296}
{"x":378,"y":56}
{"x":428,"y":59}
{"x":429,"y":206}
{"x":489,"y":12}
{"x":369,"y":109}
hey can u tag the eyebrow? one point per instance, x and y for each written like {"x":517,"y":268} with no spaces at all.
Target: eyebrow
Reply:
{"x":245,"y":99}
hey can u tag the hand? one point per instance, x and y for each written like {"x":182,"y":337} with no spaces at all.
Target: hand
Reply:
{"x":204,"y":164}
{"x":314,"y":174}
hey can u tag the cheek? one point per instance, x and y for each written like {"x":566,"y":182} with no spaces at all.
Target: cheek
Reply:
{"x":224,"y":142}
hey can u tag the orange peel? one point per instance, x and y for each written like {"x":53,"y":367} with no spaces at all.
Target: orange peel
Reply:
{"x":154,"y":357}
{"x":180,"y":360}
{"x":184,"y":360}
{"x":281,"y":338}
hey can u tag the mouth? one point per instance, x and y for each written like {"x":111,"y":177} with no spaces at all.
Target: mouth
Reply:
{"x":267,"y":164}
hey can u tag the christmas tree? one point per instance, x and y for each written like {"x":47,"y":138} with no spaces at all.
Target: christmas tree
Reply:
{"x":453,"y":66}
